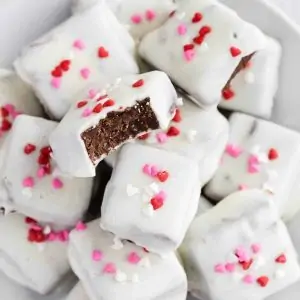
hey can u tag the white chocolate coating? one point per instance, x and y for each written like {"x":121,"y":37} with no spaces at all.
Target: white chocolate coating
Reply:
{"x":203,"y":206}
{"x":23,"y":261}
{"x":203,"y":137}
{"x":244,"y":226}
{"x":127,"y":210}
{"x":140,"y":17}
{"x":77,"y":40}
{"x":255,"y":86}
{"x":246,"y":163}
{"x":144,"y":276}
{"x":45,"y":201}
{"x":69,"y":149}
{"x":78,"y":293}
{"x":203,"y":71}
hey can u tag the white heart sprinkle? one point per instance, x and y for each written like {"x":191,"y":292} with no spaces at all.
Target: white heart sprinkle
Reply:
{"x":249,"y":77}
{"x":255,"y":149}
{"x":279,"y":274}
{"x":120,"y":276}
{"x":145,"y":262}
{"x":131,"y":190}
{"x":179,"y":101}
{"x":135,"y":278}
{"x":258,"y":262}
{"x":154,"y":187}
{"x":204,"y":47}
{"x":148,"y":210}
{"x":191,"y":135}
{"x":27,"y":192}
{"x":47,"y":229}
{"x":118,"y":245}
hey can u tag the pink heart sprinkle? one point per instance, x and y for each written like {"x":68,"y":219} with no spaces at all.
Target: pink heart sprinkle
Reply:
{"x":57,"y":183}
{"x":219,"y":268}
{"x":181,"y":29}
{"x":189,"y":55}
{"x":92,"y":93}
{"x":80,"y":226}
{"x":136,"y":19}
{"x":253,"y":168}
{"x":66,"y":234}
{"x":147,"y":169}
{"x":133,"y":258}
{"x":56,"y":82}
{"x":161,"y":195}
{"x":256,"y":248}
{"x":241,"y":253}
{"x":253,"y":159}
{"x":248,"y":279}
{"x":110,"y":268}
{"x":242,"y":187}
{"x":230,"y":267}
{"x":233,"y":151}
{"x":63,"y":236}
{"x":154,"y":171}
{"x":15,"y":113}
{"x":28,"y":182}
{"x":52,"y":236}
{"x":150,"y":14}
{"x":97,"y":255}
{"x":85,"y":73}
{"x":87,"y":112}
{"x":79,"y":44}
{"x":41,"y":172}
{"x":161,"y":137}
{"x":10,"y":108}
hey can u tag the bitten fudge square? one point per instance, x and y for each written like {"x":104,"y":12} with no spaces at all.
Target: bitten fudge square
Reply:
{"x":240,"y":249}
{"x":202,"y":47}
{"x":148,"y":189}
{"x":112,"y":269}
{"x":94,"y":128}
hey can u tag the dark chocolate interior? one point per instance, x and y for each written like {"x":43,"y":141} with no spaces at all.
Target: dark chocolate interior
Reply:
{"x":118,"y":127}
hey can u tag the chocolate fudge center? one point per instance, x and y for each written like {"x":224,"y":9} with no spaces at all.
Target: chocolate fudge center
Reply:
{"x":241,"y":66}
{"x":118,"y":127}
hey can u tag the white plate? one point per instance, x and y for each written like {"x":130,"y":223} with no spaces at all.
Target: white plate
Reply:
{"x":276,"y":24}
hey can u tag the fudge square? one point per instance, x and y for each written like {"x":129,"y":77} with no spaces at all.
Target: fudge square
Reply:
{"x":259,"y":154}
{"x":114,"y":269}
{"x":38,"y":189}
{"x":240,"y":249}
{"x":27,"y":257}
{"x":202,"y":47}
{"x":76,"y":56}
{"x":253,"y":89}
{"x":149,"y":188}
{"x":94,"y":128}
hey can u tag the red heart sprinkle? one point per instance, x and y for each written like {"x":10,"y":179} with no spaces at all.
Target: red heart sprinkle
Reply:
{"x":273,"y":154}
{"x":246,"y":264}
{"x":162,"y":176}
{"x":197,"y":17}
{"x":102,"y":97}
{"x":40,"y":237}
{"x":262,"y":280}
{"x":46,"y":150}
{"x":173,"y":131}
{"x":4,"y":112}
{"x":29,"y":148}
{"x":81,"y":103}
{"x":205,"y":30}
{"x":31,"y":235}
{"x":177,"y":117}
{"x":98,"y":108}
{"x":143,"y":136}
{"x":65,"y":65}
{"x":188,"y":47}
{"x":29,"y":220}
{"x":43,"y":159}
{"x":156,"y":203}
{"x":228,"y":93}
{"x":172,"y":13}
{"x":6,"y":125}
{"x":235,"y":51}
{"x":57,"y":72}
{"x":138,"y":83}
{"x":108,"y":103}
{"x":47,"y":168}
{"x":102,"y":52}
{"x":281,"y":259}
{"x":198,"y":40}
